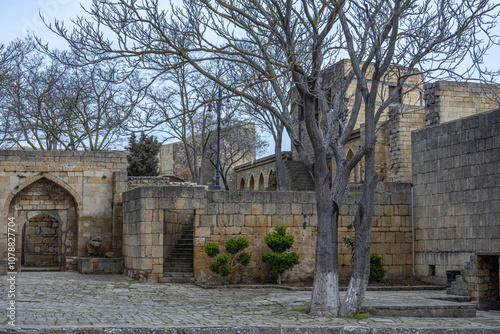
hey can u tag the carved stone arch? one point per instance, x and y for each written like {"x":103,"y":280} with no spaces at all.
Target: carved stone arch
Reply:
{"x":251,"y":185}
{"x":32,"y":179}
{"x":242,"y":184}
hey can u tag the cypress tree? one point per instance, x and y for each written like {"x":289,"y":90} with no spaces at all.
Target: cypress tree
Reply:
{"x":143,"y":155}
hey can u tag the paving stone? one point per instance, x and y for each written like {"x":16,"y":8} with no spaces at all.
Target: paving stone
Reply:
{"x":69,"y":302}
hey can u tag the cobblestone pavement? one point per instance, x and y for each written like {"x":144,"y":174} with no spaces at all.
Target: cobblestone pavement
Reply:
{"x":55,"y":299}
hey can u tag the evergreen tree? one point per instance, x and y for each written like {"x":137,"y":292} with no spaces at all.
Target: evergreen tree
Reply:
{"x":143,"y":156}
{"x":278,"y":260}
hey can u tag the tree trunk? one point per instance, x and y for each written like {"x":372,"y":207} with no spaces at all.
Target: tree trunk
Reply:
{"x":325,"y":299}
{"x":362,"y":240}
{"x":280,"y":165}
{"x":279,"y":278}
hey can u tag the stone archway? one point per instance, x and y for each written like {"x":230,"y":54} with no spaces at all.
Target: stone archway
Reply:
{"x":40,"y":203}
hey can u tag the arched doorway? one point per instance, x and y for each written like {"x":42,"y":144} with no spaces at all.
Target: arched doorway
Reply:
{"x":47,"y":227}
{"x":261,"y":182}
{"x":41,"y":242}
{"x":252,"y":183}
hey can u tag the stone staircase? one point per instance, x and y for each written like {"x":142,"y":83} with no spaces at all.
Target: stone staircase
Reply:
{"x":178,"y":266}
{"x":299,"y":178}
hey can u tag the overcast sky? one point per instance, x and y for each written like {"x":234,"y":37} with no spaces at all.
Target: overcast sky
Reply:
{"x":17,"y":18}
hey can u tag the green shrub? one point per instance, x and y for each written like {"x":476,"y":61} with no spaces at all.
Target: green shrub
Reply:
{"x":233,"y":246}
{"x":224,"y":264}
{"x":377,"y":270}
{"x":279,"y":261}
{"x":212,"y":249}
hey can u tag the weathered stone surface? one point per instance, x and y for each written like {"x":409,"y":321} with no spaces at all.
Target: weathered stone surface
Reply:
{"x":456,"y":202}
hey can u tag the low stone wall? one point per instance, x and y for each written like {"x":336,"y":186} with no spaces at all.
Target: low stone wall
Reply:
{"x":221,"y":215}
{"x":255,"y":214}
{"x":137,"y":181}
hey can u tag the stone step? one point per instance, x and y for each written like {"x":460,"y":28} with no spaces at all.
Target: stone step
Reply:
{"x":178,"y":270}
{"x":177,"y":278}
{"x":39,"y":269}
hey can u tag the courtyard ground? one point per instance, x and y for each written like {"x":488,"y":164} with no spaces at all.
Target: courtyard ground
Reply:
{"x":68,"y":302}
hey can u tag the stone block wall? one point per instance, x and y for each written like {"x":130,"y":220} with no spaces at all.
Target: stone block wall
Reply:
{"x":74,"y":187}
{"x":391,"y":228}
{"x":143,"y":225}
{"x":137,"y":181}
{"x":255,"y":214}
{"x":446,"y":101}
{"x":221,"y":215}
{"x":457,"y":191}
{"x":402,"y":121}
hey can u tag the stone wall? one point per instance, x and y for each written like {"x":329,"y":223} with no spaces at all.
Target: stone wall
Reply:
{"x":255,"y":214}
{"x":143,"y":225}
{"x":449,"y":100}
{"x":41,"y":245}
{"x":457,"y":191}
{"x":221,"y":215}
{"x":402,"y":121}
{"x":74,"y":187}
{"x":137,"y":181}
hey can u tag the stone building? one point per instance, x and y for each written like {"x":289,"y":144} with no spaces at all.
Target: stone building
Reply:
{"x":444,"y":101}
{"x":58,"y":200}
{"x":173,"y":160}
{"x":446,"y":225}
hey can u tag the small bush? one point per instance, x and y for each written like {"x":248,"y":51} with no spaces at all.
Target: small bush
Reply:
{"x":212,"y":249}
{"x":377,"y":270}
{"x":224,"y":264}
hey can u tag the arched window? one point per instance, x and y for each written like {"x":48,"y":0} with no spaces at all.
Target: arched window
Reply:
{"x":261,"y":182}
{"x":252,"y":184}
{"x":242,"y":184}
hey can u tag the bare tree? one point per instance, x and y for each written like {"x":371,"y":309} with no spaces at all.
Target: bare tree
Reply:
{"x":181,"y":107}
{"x":265,"y":91}
{"x":421,"y":37}
{"x":49,"y":105}
{"x":238,"y":142}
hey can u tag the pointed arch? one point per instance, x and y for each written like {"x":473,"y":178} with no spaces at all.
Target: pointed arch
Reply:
{"x":261,"y":182}
{"x":252,"y":183}
{"x":32,"y":179}
{"x":242,"y":184}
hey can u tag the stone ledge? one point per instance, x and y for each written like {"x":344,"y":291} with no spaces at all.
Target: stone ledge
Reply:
{"x":100,"y":265}
{"x":255,"y":330}
{"x":306,"y":288}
